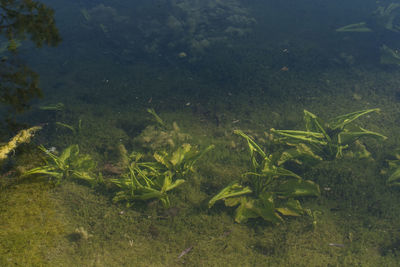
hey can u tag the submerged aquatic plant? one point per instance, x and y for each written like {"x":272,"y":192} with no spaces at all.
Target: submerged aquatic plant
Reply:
{"x":328,"y":140}
{"x":156,"y":117}
{"x":53,"y":107}
{"x":146,"y":180}
{"x":393,"y":170}
{"x":74,"y":129}
{"x":389,"y":56}
{"x":69,"y":165}
{"x":355,"y":27}
{"x":269,"y":191}
{"x":23,"y":136}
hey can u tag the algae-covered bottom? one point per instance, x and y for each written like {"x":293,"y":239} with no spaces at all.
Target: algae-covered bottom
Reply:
{"x":354,"y":222}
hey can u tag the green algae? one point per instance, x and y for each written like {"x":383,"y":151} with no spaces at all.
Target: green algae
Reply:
{"x":357,"y":210}
{"x":30,"y":223}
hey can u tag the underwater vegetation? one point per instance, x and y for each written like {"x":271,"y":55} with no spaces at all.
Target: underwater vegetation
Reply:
{"x":268,"y":197}
{"x":161,"y":136}
{"x":389,"y":56}
{"x":384,"y":19}
{"x":23,"y":136}
{"x":268,"y":191}
{"x":393,"y":170}
{"x":69,"y":165}
{"x":328,"y":139}
{"x":146,"y":180}
{"x":74,"y":129}
{"x":53,"y":107}
{"x":141,"y":179}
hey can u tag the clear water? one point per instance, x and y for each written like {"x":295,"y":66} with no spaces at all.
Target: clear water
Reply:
{"x":207,"y":68}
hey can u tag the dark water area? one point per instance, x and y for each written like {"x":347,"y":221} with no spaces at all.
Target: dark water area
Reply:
{"x":112,"y":38}
{"x":150,"y":108}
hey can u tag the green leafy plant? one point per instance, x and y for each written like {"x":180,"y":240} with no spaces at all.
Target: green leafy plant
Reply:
{"x":156,"y":117}
{"x":269,"y":191}
{"x":393,"y":168}
{"x":327,"y":140}
{"x":146,"y":180}
{"x":75,"y":130}
{"x":68,"y":165}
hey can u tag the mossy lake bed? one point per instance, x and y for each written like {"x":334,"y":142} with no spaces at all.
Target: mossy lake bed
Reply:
{"x":356,"y":218}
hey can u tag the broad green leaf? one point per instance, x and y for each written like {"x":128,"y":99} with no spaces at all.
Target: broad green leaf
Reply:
{"x":146,"y":193}
{"x":244,"y":211}
{"x":84,"y":162}
{"x":232,"y":190}
{"x":394,"y":176}
{"x":232,"y":201}
{"x":298,"y":188}
{"x":178,"y":155}
{"x":165,"y":201}
{"x":265,"y":208}
{"x":299,"y":134}
{"x":314,"y":124}
{"x":162,"y":159}
{"x":141,"y":173}
{"x":348,"y":137}
{"x":311,"y":137}
{"x":168,"y":184}
{"x":355,"y":27}
{"x":252,"y":145}
{"x":253,"y":208}
{"x":122,"y":196}
{"x":156,"y":117}
{"x":301,"y":153}
{"x":287,"y":212}
{"x":40,"y":170}
{"x":292,"y":208}
{"x":198,"y":155}
{"x":341,"y":121}
{"x":272,"y":170}
{"x":175,"y":184}
{"x":84,"y":176}
{"x":66,"y":154}
{"x":49,"y":154}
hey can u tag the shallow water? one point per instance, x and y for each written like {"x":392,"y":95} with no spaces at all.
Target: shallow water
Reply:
{"x":207,"y":68}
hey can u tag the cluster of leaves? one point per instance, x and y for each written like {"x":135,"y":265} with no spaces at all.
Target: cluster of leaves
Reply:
{"x":153,"y":179}
{"x":143,"y":180}
{"x":69,"y":165}
{"x":393,"y":169}
{"x":269,"y":191}
{"x":327,"y":140}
